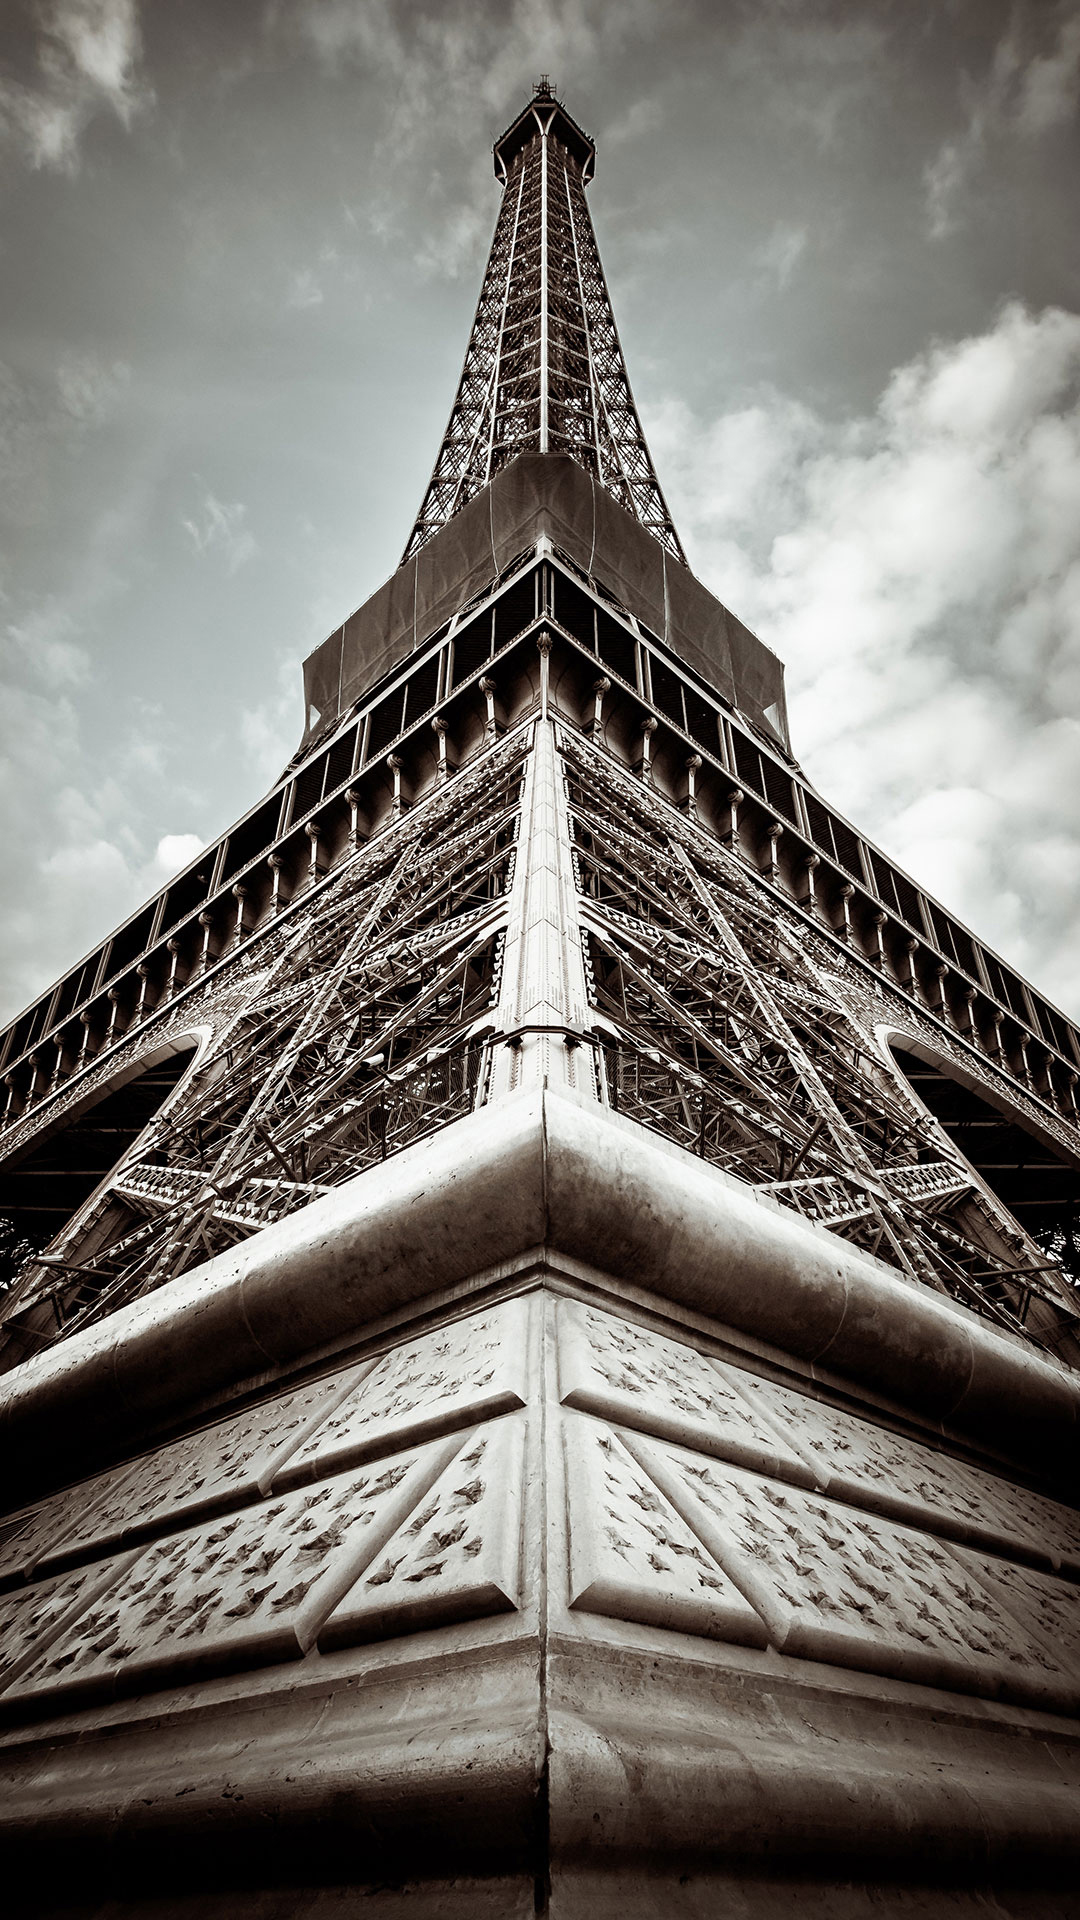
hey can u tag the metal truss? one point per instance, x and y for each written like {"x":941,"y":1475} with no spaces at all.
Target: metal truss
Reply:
{"x":724,"y":1031}
{"x":544,"y":371}
{"x":360,"y":1034}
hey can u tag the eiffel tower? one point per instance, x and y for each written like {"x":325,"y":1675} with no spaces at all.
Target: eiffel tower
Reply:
{"x":544,"y":1376}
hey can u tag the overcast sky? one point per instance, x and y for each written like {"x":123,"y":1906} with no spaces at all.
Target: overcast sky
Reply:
{"x":240,"y":247}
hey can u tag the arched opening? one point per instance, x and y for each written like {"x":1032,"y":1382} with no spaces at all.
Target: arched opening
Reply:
{"x":41,"y":1188}
{"x":1035,"y":1180}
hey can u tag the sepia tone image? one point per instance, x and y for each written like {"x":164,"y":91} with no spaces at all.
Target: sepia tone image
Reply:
{"x":540,"y":1266}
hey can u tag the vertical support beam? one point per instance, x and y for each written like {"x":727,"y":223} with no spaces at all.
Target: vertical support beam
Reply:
{"x":487,"y":688}
{"x":730,"y":832}
{"x":810,"y":866}
{"x":239,"y":894}
{"x":544,"y":344}
{"x":688,"y":802}
{"x":353,"y":801}
{"x":594,"y":727}
{"x":643,"y":765}
{"x":543,"y":1002}
{"x":439,"y":728}
{"x":394,"y":762}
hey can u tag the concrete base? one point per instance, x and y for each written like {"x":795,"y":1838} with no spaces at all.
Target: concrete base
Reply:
{"x":537,"y":1585}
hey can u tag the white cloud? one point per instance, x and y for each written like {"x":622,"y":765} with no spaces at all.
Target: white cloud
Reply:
{"x":1023,"y":95}
{"x":89,"y":390}
{"x":918,"y":569}
{"x":173,"y":851}
{"x":88,"y":56}
{"x":304,"y":290}
{"x":1048,"y":94}
{"x":219,"y":529}
{"x":780,"y":254}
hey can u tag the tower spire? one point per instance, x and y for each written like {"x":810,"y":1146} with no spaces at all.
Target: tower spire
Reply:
{"x":544,"y":370}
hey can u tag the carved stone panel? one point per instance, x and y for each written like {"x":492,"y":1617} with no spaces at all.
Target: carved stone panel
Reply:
{"x":33,"y":1543}
{"x":202,"y":1473}
{"x":837,"y":1585}
{"x":457,"y":1558}
{"x":632,"y":1556}
{"x":453,"y":1377}
{"x":1045,"y":1608}
{"x":641,"y":1379}
{"x":33,"y":1616}
{"x":894,"y":1474}
{"x":242,"y":1590}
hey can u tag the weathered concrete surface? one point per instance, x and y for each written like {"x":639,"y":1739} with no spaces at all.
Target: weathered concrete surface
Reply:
{"x":529,"y":1171}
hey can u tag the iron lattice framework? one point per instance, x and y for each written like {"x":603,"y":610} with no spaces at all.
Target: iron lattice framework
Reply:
{"x":544,"y":371}
{"x":542,"y":849}
{"x":354,"y":1035}
{"x":410,"y":988}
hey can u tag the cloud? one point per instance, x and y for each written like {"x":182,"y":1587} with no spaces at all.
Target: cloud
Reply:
{"x":1023,"y":95}
{"x":88,"y":61}
{"x":780,"y":254}
{"x":1048,"y":93}
{"x":89,"y":390}
{"x":268,"y":729}
{"x":918,"y":569}
{"x":172,"y":852}
{"x":87,"y":863}
{"x":219,"y":529}
{"x":304,"y":290}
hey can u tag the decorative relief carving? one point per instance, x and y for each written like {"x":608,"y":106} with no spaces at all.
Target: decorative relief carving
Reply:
{"x":836,"y":1585}
{"x":641,"y":1379}
{"x":1045,"y":1608}
{"x":632,"y":1556}
{"x":34,"y":1541}
{"x":896,"y":1475}
{"x":242,"y":1590}
{"x":458,"y":1557}
{"x":33,"y":1616}
{"x":453,"y":1377}
{"x":202,"y":1473}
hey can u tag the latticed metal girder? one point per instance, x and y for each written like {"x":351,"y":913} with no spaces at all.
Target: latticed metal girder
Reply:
{"x":725,"y":1034}
{"x":358,"y":1039}
{"x":544,"y":369}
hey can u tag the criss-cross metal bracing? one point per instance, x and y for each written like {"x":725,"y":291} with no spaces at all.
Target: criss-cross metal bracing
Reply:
{"x":358,"y":1032}
{"x":726,"y":1033}
{"x":544,"y":371}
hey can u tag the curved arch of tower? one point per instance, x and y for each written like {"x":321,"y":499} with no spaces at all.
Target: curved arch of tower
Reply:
{"x":545,"y":1374}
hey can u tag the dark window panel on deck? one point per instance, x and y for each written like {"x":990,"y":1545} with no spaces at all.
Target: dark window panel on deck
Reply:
{"x":747,"y":761}
{"x":667,"y":690}
{"x":847,"y":846}
{"x":472,"y":648}
{"x":385,"y":723}
{"x":251,"y":837}
{"x":309,"y":787}
{"x":573,"y":609}
{"x":778,"y":788}
{"x":515,"y":609}
{"x":339,"y":760}
{"x":616,"y":647}
{"x":422,"y":691}
{"x":702,"y":721}
{"x":131,"y":941}
{"x":187,"y":893}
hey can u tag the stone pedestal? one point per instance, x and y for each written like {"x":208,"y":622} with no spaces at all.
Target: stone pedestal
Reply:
{"x":541,"y":1523}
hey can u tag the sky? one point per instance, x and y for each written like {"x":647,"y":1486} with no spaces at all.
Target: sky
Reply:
{"x":240,"y":248}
